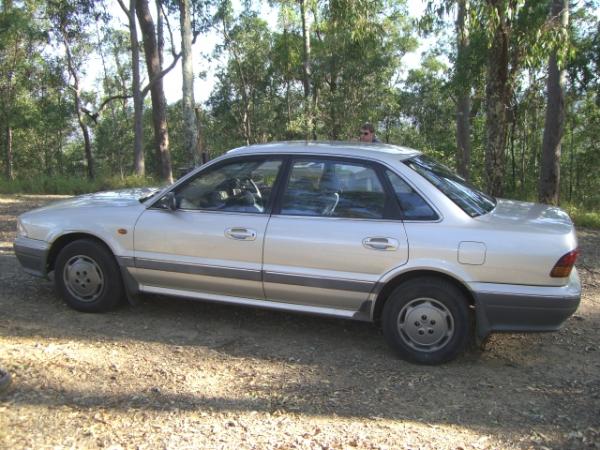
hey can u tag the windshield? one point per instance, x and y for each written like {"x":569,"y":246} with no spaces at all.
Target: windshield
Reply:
{"x":470,"y":199}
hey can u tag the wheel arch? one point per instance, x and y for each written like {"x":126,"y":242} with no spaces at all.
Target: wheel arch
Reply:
{"x":390,"y":285}
{"x":65,"y":239}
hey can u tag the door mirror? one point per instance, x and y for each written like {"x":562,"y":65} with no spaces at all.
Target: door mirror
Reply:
{"x":168,"y":202}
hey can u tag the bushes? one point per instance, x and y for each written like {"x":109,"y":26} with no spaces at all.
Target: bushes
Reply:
{"x":583,"y":217}
{"x":71,"y":185}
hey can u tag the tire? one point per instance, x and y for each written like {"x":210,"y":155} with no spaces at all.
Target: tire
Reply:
{"x":426,"y":320}
{"x":87,"y":277}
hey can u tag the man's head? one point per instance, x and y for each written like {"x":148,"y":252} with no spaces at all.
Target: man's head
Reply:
{"x":367,"y":133}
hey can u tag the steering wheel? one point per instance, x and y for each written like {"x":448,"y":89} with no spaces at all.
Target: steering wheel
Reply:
{"x":251,"y":186}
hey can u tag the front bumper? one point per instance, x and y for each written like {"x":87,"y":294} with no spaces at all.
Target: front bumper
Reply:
{"x":506,"y":307}
{"x":32,"y":254}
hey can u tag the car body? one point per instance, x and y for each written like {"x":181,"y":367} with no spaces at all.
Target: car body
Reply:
{"x":372,"y":232}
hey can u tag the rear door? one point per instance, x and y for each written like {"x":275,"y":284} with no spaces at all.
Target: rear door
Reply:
{"x":332,"y":235}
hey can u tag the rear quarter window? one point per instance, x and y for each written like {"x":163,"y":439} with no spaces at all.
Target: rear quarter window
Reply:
{"x":412,"y":205}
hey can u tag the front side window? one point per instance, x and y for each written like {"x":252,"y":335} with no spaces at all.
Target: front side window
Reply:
{"x":333,"y":189}
{"x":240,"y":186}
{"x":468,"y":198}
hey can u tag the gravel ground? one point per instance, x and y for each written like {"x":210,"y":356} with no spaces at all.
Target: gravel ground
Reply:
{"x":180,"y":374}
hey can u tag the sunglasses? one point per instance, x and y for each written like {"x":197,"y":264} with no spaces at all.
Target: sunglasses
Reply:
{"x":365,"y":133}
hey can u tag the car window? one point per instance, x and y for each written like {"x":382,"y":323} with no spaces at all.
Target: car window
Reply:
{"x":333,"y":189}
{"x":468,"y":198}
{"x":240,"y":186}
{"x":413,"y":206}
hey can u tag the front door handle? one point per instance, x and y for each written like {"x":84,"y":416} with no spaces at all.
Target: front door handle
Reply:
{"x":240,"y":234}
{"x":380,"y":243}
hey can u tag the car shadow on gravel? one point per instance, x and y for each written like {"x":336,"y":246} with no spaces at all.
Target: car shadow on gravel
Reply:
{"x":176,"y":355}
{"x":314,"y":365}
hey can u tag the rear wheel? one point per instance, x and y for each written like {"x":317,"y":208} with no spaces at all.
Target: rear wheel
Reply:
{"x":426,"y":320}
{"x":87,"y":277}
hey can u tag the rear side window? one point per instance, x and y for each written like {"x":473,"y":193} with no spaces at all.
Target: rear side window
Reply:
{"x":333,"y":189}
{"x":412,"y":204}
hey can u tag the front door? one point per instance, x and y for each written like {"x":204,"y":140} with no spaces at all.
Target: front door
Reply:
{"x":211,"y":243}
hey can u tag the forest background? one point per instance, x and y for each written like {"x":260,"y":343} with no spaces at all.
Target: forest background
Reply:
{"x":507,"y":91}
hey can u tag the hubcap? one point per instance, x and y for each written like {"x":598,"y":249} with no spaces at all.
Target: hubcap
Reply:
{"x":425,"y":324}
{"x":83,"y":278}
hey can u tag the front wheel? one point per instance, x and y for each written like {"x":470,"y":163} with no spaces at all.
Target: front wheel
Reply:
{"x":87,"y":277}
{"x":426,"y":320}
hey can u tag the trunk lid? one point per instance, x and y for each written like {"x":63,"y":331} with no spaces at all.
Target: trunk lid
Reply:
{"x":512,"y":215}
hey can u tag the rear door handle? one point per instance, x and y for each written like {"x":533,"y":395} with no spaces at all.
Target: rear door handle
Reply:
{"x":240,"y":234}
{"x":380,"y":243}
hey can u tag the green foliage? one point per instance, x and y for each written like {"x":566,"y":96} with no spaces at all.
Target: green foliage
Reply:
{"x":357,"y":49}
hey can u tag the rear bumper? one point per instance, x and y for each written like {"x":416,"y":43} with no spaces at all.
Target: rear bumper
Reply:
{"x":505,"y":307}
{"x":32,"y":254}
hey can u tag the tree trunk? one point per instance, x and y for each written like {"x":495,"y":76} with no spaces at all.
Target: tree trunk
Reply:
{"x":333,"y":99}
{"x":549,"y":185}
{"x":513,"y":138}
{"x":463,"y":104}
{"x":306,"y":71}
{"x":89,"y":157}
{"x":138,"y":99}
{"x":159,"y":104}
{"x":87,"y":146}
{"x":201,"y":141}
{"x":9,"y":159}
{"x":190,"y":134}
{"x":160,"y":33}
{"x":497,"y":104}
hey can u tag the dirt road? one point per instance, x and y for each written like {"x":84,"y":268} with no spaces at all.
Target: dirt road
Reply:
{"x":181,"y":374}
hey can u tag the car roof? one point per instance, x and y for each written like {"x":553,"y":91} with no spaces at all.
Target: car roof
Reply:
{"x":349,"y":149}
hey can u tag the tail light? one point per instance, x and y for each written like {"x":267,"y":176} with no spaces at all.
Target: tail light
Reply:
{"x":564,"y":265}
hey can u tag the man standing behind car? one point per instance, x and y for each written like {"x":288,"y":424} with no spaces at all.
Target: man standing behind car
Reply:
{"x":367,"y":133}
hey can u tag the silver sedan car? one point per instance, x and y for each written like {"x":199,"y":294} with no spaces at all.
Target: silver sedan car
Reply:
{"x":369,"y":232}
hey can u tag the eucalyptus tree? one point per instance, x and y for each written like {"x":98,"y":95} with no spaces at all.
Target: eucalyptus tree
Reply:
{"x":21,"y":42}
{"x":194,"y":19}
{"x":245,"y":83}
{"x":113,"y":134}
{"x":426,"y":113}
{"x":152,"y":39}
{"x":306,"y":67}
{"x":136,"y":89}
{"x":463,"y":90}
{"x":188,"y":103}
{"x":515,"y":30}
{"x":580,"y":155}
{"x":356,"y":52}
{"x":70,"y":23}
{"x":549,"y":184}
{"x":467,"y":63}
{"x":297,"y":36}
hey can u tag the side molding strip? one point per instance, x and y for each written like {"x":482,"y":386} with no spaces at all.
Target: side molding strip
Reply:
{"x":210,"y":271}
{"x":323,"y":283}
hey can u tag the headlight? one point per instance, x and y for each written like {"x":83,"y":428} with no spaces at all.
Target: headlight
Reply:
{"x":21,"y":231}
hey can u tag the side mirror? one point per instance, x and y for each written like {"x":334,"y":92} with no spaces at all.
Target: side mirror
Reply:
{"x":169,"y":201}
